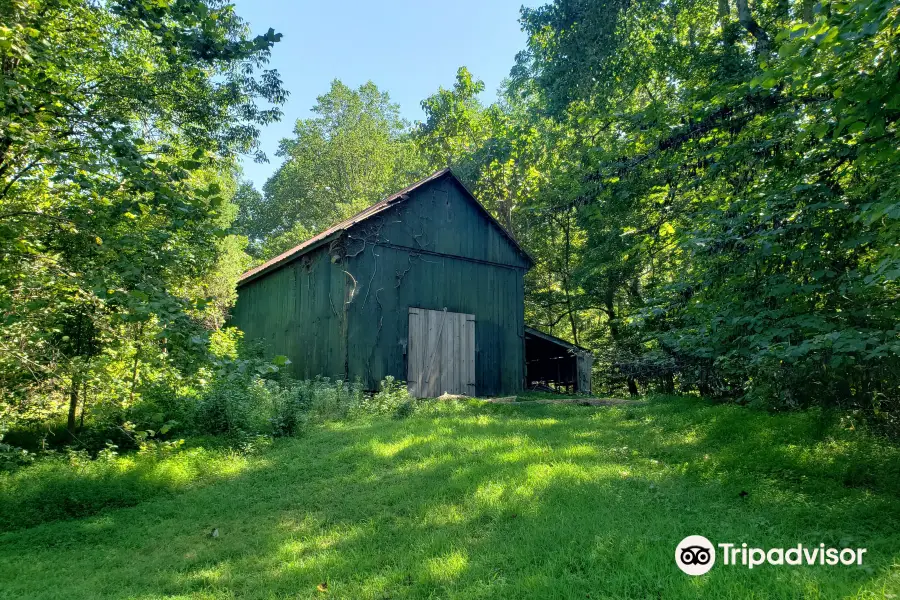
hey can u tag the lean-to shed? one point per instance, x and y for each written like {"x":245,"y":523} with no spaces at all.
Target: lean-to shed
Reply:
{"x":425,"y":286}
{"x":551,"y":360}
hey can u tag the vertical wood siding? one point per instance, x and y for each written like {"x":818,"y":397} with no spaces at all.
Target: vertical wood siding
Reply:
{"x":435,"y":250}
{"x":298,"y":311}
{"x":440,"y":218}
{"x":420,"y":261}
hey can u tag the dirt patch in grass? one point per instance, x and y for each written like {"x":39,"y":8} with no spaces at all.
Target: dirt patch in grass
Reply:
{"x":573,"y":401}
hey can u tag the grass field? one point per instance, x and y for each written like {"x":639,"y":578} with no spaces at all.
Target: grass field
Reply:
{"x":468,"y":500}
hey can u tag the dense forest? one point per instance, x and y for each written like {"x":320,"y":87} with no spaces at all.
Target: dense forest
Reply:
{"x":710,"y":191}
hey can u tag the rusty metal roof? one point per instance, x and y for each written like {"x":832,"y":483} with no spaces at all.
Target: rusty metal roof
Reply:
{"x":335,"y":230}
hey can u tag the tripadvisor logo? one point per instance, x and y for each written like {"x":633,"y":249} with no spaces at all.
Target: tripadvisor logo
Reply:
{"x":695,"y":555}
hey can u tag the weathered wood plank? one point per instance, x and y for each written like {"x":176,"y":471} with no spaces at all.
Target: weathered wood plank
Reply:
{"x":584,"y":363}
{"x":447,"y":365}
{"x":471,"y":387}
{"x":413,"y":351}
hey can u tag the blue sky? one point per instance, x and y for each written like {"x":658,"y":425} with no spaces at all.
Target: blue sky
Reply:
{"x":407,"y":47}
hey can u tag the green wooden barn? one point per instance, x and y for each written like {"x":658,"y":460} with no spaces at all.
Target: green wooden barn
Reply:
{"x":425,"y":286}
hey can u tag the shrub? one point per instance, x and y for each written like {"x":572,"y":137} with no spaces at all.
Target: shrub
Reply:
{"x":317,"y":400}
{"x":247,"y":403}
{"x":290,"y":409}
{"x":239,"y":401}
{"x":252,"y":398}
{"x":333,"y":399}
{"x":236,"y":406}
{"x":388,"y":400}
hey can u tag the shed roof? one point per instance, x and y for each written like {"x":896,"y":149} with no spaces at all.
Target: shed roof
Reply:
{"x":379,"y":207}
{"x":554,"y":340}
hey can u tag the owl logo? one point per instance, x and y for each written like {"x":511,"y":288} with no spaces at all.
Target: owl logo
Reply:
{"x":695,"y":555}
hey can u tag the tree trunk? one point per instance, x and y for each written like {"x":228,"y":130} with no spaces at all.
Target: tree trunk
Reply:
{"x":567,"y":270}
{"x":84,"y":399}
{"x":669,"y":383}
{"x":614,"y":332}
{"x":632,"y":386}
{"x":807,"y":8}
{"x":137,"y":363}
{"x":724,"y":9}
{"x":73,"y":403}
{"x":572,"y":322}
{"x":703,"y":385}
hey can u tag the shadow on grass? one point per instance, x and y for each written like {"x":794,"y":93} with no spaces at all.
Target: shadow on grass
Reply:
{"x":476,"y":501}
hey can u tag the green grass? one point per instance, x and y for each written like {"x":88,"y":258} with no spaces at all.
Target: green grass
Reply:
{"x":467,"y":500}
{"x":70,"y":486}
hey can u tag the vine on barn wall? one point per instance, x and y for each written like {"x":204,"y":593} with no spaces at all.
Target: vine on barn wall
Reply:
{"x":366,"y":237}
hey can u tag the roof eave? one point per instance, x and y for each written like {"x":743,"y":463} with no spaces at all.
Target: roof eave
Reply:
{"x":555,"y":340}
{"x":287,"y":259}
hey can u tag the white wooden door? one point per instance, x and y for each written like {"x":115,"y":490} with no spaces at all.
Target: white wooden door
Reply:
{"x":441,"y":355}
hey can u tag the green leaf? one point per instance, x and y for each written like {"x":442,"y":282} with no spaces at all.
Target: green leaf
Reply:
{"x":281,"y":361}
{"x":856,"y":127}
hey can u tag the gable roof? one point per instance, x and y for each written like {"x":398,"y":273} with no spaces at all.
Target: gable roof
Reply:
{"x":379,"y":207}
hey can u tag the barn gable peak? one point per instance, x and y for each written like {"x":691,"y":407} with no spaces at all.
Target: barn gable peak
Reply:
{"x":376,"y":209}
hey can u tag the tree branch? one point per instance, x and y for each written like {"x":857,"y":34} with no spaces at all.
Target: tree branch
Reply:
{"x":746,"y":19}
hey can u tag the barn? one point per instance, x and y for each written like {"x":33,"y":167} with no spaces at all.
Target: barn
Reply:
{"x":425,"y":286}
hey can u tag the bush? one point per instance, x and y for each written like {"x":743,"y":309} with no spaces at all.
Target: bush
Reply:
{"x":236,"y":407}
{"x":252,"y":397}
{"x":298,"y":403}
{"x":239,"y":401}
{"x":247,"y":403}
{"x":391,"y":396}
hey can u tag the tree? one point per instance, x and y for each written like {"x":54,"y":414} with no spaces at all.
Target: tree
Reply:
{"x":353,"y":152}
{"x":507,"y":153}
{"x":456,"y":124}
{"x":251,"y":220}
{"x":117,"y":122}
{"x":736,"y":178}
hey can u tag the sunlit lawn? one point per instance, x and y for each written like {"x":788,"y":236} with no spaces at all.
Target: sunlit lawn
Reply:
{"x":467,"y":500}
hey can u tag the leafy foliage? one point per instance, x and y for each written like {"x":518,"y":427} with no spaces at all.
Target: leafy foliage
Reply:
{"x":354,"y":151}
{"x":711,"y":192}
{"x":118,"y":129}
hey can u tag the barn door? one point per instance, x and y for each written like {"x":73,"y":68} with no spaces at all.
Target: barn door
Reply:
{"x":441,"y":356}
